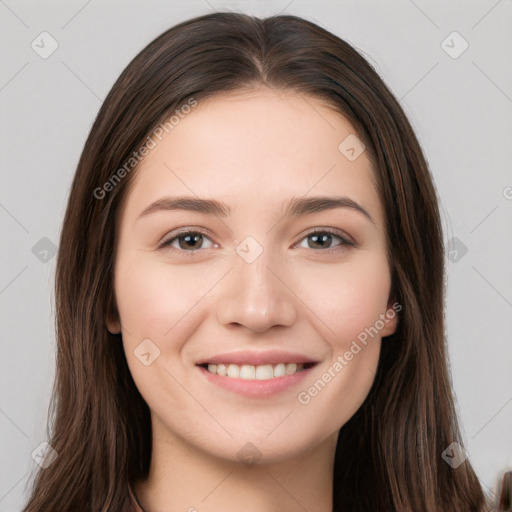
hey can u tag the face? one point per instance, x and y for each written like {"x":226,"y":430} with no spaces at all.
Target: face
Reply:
{"x":252,"y":325}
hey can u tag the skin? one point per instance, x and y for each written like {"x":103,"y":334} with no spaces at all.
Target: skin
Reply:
{"x":254,"y":151}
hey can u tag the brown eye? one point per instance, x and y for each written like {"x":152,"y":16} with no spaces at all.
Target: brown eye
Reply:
{"x":324,"y":240}
{"x":187,"y":241}
{"x":320,"y":240}
{"x":191,"y":241}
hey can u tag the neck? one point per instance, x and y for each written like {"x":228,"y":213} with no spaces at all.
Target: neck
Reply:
{"x":183,"y":478}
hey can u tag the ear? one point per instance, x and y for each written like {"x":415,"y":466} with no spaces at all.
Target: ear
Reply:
{"x":112,"y":320}
{"x":391,"y":318}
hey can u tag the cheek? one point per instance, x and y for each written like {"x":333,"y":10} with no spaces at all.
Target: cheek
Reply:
{"x":156,"y":303}
{"x":154,"y":298}
{"x":164,"y":304}
{"x":347,"y":299}
{"x":350,"y":306}
{"x":347,"y":310}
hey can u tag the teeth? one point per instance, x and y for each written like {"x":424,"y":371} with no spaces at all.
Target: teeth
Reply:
{"x":247,"y":372}
{"x":233,"y":371}
{"x":264,"y":372}
{"x":279,"y":370}
{"x":251,"y":372}
{"x":291,"y":368}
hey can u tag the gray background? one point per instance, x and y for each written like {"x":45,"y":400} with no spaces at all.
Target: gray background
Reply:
{"x":460,"y":108}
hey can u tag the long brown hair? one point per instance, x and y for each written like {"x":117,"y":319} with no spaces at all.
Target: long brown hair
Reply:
{"x":389,"y":455}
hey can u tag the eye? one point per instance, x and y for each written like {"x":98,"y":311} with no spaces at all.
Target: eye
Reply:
{"x":193,"y":241}
{"x":188,"y":241}
{"x":322,"y":239}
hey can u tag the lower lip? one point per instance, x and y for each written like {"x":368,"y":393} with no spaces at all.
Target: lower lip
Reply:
{"x":256,"y":388}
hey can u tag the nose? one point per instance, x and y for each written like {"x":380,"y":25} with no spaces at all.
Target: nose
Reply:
{"x":256,"y":295}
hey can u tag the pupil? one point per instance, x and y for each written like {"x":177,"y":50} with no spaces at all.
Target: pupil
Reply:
{"x":324,"y":238}
{"x":189,"y":240}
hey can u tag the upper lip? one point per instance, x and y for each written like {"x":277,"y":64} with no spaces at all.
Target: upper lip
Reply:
{"x":255,"y":358}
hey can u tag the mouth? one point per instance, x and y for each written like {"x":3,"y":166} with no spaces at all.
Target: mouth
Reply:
{"x":256,"y":372}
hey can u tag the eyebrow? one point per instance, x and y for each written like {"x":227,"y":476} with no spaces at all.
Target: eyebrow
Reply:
{"x":296,"y":206}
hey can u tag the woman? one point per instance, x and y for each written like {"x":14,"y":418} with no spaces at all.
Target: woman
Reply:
{"x":213,"y":353}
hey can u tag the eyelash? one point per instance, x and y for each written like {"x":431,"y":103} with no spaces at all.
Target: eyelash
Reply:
{"x":344,"y":243}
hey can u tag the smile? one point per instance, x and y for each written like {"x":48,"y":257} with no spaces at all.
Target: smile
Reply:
{"x":253,"y":373}
{"x":256,"y":372}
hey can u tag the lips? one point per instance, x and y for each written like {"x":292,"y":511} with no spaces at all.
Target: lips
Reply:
{"x":256,"y":358}
{"x":256,"y":373}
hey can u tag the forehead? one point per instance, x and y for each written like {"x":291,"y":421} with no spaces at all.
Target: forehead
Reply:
{"x":256,"y":149}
